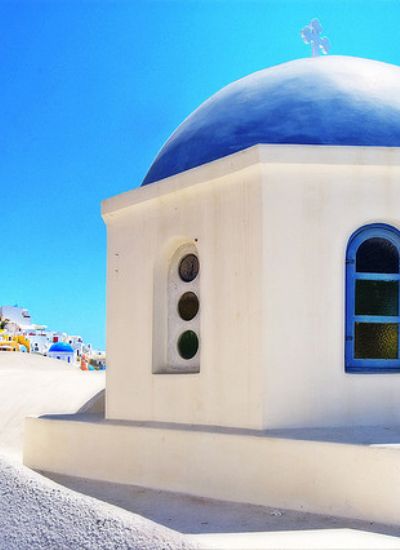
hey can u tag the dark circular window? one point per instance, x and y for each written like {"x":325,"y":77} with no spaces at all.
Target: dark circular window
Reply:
{"x":189,"y":268}
{"x":188,"y":306}
{"x":188,"y":344}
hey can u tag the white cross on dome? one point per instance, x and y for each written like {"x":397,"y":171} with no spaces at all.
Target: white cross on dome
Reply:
{"x":311,"y":35}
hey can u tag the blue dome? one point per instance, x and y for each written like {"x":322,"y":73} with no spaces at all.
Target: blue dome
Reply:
{"x":61,"y":346}
{"x":333,"y":100}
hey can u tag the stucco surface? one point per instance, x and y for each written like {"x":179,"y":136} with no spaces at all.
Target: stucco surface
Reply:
{"x":342,"y":479}
{"x":224,"y":223}
{"x":221,"y":524}
{"x":310,"y":211}
{"x":272,"y":225}
{"x":33,"y":384}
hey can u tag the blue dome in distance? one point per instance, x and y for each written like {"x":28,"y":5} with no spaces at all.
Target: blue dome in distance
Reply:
{"x":61,"y":346}
{"x":332,"y":100}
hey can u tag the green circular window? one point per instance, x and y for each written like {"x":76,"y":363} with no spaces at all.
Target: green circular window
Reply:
{"x":188,"y":306}
{"x":189,"y":268}
{"x":188,"y":344}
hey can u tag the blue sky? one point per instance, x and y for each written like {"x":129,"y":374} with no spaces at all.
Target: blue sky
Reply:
{"x":89,"y":91}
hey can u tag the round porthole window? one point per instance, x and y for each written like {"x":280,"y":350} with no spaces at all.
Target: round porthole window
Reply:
{"x":188,"y":306}
{"x":189,"y":268}
{"x":188,"y":344}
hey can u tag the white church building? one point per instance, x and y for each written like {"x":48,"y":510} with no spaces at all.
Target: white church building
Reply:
{"x":253,"y":308}
{"x":62,"y":351}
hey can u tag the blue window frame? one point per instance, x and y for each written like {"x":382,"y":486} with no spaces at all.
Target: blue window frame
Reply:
{"x":373,"y":300}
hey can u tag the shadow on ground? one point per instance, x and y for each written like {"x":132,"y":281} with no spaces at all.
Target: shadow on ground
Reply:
{"x":196,"y":515}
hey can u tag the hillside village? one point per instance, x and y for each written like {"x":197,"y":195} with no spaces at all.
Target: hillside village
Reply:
{"x":19,"y":333}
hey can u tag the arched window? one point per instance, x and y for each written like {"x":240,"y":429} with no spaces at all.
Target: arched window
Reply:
{"x":372,"y":300}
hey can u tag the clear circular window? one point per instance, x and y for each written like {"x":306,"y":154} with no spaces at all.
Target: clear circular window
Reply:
{"x":188,"y":306}
{"x":189,"y":268}
{"x":188,"y":344}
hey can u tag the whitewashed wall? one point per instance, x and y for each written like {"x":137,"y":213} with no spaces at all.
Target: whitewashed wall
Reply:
{"x":223,"y":217}
{"x":271,"y":224}
{"x":314,"y":199}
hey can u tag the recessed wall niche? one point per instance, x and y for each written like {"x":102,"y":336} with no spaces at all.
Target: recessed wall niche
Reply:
{"x":179,"y":328}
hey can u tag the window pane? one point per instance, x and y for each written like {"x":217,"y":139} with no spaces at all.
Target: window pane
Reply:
{"x":189,"y":268}
{"x":188,"y":344}
{"x":188,"y":306}
{"x":376,"y":341}
{"x":377,"y":298}
{"x":377,"y":255}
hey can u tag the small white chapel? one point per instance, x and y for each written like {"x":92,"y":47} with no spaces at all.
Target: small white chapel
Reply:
{"x":253,"y":303}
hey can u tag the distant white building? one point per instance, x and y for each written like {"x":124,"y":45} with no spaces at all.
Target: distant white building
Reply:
{"x":40,"y":342}
{"x":18,"y":315}
{"x":76,"y":342}
{"x":58,"y":336}
{"x":62,"y":351}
